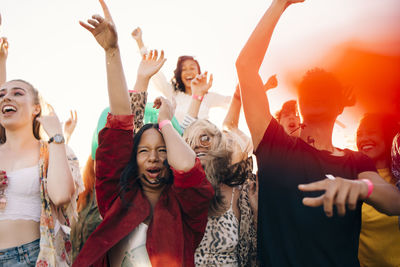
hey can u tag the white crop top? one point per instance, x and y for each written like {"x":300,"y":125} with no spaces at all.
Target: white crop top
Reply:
{"x":23,"y":195}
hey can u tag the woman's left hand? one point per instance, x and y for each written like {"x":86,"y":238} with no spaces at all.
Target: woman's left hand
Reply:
{"x":51,"y":124}
{"x":199,"y":84}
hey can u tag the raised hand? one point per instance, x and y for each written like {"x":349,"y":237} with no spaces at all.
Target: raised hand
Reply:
{"x":137,"y":34}
{"x":70,"y":125}
{"x":51,"y":124}
{"x":338,"y":191}
{"x":151,"y":64}
{"x":271,"y":83}
{"x":3,"y":48}
{"x":199,"y":84}
{"x":166,"y":109}
{"x":103,"y":29}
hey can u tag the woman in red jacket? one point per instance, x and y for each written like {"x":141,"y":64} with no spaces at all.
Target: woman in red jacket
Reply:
{"x":151,"y":189}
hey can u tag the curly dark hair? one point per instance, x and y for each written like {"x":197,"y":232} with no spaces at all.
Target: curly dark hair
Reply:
{"x":130,"y":175}
{"x":177,"y":80}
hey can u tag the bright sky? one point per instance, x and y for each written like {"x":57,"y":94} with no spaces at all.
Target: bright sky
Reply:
{"x":50,"y":49}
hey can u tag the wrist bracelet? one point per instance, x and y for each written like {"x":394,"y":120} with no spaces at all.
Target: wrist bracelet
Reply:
{"x":370,"y":187}
{"x":198,"y":97}
{"x":163,"y":123}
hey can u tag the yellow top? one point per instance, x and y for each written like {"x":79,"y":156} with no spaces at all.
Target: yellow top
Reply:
{"x":380,"y":235}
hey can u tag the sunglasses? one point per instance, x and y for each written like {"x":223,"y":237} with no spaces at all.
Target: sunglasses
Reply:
{"x":205,"y":140}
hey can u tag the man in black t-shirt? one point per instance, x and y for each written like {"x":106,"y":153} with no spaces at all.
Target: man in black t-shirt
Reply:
{"x":306,"y":218}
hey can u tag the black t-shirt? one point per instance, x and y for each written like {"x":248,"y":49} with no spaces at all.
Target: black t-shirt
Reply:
{"x":290,"y":233}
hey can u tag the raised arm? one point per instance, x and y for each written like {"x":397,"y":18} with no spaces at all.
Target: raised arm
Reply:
{"x":159,"y":80}
{"x":105,"y":33}
{"x":60,"y":183}
{"x":3,"y":59}
{"x":200,"y":87}
{"x":231,"y":120}
{"x":255,"y":101}
{"x":137,"y":35}
{"x":180,"y":155}
{"x":149,"y":65}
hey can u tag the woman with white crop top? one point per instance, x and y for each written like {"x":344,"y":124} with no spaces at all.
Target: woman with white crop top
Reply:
{"x":37,"y":189}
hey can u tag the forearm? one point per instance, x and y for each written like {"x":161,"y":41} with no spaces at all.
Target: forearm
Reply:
{"x":385,"y":197}
{"x":180,"y":156}
{"x":194,"y":108}
{"x":3,"y":72}
{"x":231,"y":120}
{"x":140,"y":43}
{"x":253,"y":52}
{"x":60,"y":183}
{"x":141,"y":84}
{"x":254,"y":99}
{"x":117,"y":88}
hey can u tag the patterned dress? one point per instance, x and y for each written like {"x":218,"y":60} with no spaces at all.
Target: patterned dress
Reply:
{"x":228,"y":241}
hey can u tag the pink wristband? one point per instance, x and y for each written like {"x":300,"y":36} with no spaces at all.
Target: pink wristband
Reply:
{"x":198,"y":97}
{"x":163,"y":123}
{"x":370,"y":187}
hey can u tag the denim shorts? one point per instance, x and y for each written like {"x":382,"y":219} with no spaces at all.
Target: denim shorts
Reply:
{"x":24,"y":255}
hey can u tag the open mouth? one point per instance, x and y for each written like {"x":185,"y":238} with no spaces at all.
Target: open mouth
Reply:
{"x":154,"y":175}
{"x":292,"y":125}
{"x":367,"y":147}
{"x":153,"y":172}
{"x":200,"y":154}
{"x":8,"y":109}
{"x":189,"y":78}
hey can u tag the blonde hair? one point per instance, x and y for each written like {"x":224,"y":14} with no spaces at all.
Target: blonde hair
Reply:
{"x":216,"y":161}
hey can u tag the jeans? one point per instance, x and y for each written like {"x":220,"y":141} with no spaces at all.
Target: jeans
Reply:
{"x":21,"y":256}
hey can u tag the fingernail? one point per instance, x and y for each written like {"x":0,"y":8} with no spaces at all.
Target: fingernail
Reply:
{"x":5,"y":177}
{"x":4,"y":182}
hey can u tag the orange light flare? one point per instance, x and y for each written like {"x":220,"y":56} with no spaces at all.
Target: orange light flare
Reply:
{"x":371,"y":70}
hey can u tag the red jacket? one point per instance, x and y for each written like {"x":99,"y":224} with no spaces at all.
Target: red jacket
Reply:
{"x":180,"y":215}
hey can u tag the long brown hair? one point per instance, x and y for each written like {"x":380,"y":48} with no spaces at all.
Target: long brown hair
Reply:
{"x":89,"y":180}
{"x":35,"y":123}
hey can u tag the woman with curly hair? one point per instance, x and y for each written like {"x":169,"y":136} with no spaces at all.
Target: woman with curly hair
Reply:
{"x":187,"y":67}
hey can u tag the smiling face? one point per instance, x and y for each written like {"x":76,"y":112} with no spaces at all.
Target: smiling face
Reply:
{"x":150,"y":158}
{"x":18,"y":104}
{"x":370,"y":140}
{"x":203,"y":136}
{"x":189,"y":72}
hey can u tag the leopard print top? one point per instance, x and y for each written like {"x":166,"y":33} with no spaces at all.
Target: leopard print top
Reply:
{"x":220,"y":240}
{"x":138,"y":105}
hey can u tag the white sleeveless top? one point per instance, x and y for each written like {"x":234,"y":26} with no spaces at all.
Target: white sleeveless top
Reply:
{"x":131,"y":250}
{"x":23,"y":195}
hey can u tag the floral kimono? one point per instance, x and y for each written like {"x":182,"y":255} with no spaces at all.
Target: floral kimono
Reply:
{"x":55,"y":245}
